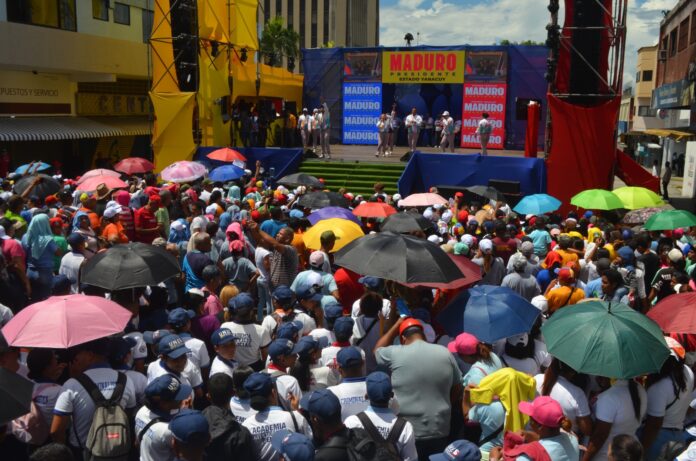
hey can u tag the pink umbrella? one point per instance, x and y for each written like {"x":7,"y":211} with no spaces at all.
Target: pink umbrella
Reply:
{"x":64,"y":321}
{"x":424,"y":199}
{"x":98,"y":172}
{"x":134,"y":165}
{"x":183,"y":171}
{"x":92,"y":183}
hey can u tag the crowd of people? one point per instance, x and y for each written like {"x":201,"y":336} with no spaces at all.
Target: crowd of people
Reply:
{"x":263,"y":349}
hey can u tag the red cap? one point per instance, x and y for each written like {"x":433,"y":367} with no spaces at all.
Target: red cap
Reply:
{"x":51,"y":200}
{"x":544,"y":410}
{"x":255,"y":215}
{"x":566,"y":274}
{"x":55,"y":222}
{"x":459,"y":194}
{"x":462,"y":216}
{"x":408,"y":323}
{"x":464,"y":344}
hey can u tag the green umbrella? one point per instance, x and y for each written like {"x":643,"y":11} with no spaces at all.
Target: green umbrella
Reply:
{"x":597,"y":199}
{"x":670,"y":220}
{"x":637,"y":197}
{"x":606,"y":339}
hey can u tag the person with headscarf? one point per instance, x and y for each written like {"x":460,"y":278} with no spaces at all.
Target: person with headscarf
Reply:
{"x":234,"y":232}
{"x":82,"y":225}
{"x":40,"y":249}
{"x":178,"y":232}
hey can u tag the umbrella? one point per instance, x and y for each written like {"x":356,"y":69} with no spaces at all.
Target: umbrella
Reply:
{"x":134,"y":165}
{"x":46,"y":185}
{"x":470,"y":270}
{"x":424,"y":199}
{"x":399,"y":257}
{"x":226,"y":173}
{"x":346,"y":231}
{"x":129,"y":266}
{"x":321,"y":199}
{"x":15,"y":396}
{"x":670,"y":220}
{"x":98,"y":172}
{"x":676,"y":313}
{"x":641,"y":215}
{"x":65,"y":321}
{"x":488,"y":192}
{"x":332,"y":212}
{"x":226,"y":155}
{"x":488,"y":312}
{"x":94,"y":182}
{"x":301,"y":179}
{"x":373,"y":210}
{"x":605,"y":339}
{"x":537,"y":204}
{"x":597,"y":199}
{"x":32,"y":168}
{"x":183,"y":171}
{"x":405,"y":222}
{"x":637,"y":197}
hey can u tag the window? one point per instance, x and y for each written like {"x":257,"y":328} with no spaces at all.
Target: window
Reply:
{"x":646,"y":111}
{"x":148,"y":20}
{"x":637,"y":76}
{"x":647,"y":76}
{"x":121,"y":14}
{"x":279,"y":8}
{"x":266,"y":11}
{"x":50,"y":13}
{"x":326,"y":21}
{"x":683,"y":35}
{"x":100,"y":9}
{"x":693,"y":28}
{"x":291,"y":14}
{"x":673,"y":42}
{"x":303,"y":28}
{"x":314,"y":24}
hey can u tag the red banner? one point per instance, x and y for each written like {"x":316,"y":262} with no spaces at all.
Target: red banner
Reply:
{"x":480,"y":98}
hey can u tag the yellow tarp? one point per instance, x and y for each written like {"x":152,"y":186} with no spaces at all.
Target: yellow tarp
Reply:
{"x":678,"y":135}
{"x":243,"y":24}
{"x":213,"y":20}
{"x":510,"y":387}
{"x":172,"y":139}
{"x":164,"y":78}
{"x":213,"y":87}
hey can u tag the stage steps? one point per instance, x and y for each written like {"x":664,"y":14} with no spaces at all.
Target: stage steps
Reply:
{"x":357,"y":177}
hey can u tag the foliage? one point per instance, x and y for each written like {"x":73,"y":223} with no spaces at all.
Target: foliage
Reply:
{"x":523,"y":43}
{"x":277,"y":42}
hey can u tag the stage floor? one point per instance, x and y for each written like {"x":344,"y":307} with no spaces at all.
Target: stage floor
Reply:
{"x":355,"y":153}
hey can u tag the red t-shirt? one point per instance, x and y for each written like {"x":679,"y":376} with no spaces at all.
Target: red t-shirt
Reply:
{"x":145,"y":219}
{"x":126,"y":219}
{"x":349,"y":289}
{"x":11,"y":248}
{"x":505,"y":248}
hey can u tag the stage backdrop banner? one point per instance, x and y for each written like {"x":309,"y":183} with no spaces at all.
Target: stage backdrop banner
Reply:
{"x":423,"y":67}
{"x":479,"y":98}
{"x":362,"y":106}
{"x":362,"y":66}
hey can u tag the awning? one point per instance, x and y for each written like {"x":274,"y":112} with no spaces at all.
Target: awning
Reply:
{"x":60,"y":128}
{"x":678,"y":135}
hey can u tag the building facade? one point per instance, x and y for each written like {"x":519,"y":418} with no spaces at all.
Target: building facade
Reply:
{"x":644,"y":116}
{"x":74,"y":81}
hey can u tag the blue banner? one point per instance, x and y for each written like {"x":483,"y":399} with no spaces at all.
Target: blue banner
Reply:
{"x":362,"y":106}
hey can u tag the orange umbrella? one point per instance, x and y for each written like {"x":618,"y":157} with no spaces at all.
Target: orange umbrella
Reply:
{"x":373,"y":210}
{"x":226,"y":155}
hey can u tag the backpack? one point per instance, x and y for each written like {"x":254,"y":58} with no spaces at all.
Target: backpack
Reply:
{"x":281,"y":320}
{"x":32,"y":428}
{"x":362,"y":447}
{"x":386,"y":448}
{"x":109,"y":435}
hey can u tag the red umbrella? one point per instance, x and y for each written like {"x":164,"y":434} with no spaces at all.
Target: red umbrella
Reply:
{"x":676,"y":313}
{"x":226,"y":155}
{"x":471,"y":271}
{"x":373,"y":210}
{"x":134,"y":165}
{"x":92,"y":183}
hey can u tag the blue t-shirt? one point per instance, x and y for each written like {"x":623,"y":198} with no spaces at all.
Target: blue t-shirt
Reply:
{"x":272,"y":227}
{"x":544,"y":278}
{"x":480,"y":370}
{"x":45,"y":261}
{"x":540,"y":239}
{"x":563,"y":447}
{"x":491,"y":418}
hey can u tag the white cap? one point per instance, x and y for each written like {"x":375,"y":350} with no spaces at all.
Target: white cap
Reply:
{"x":396,"y":197}
{"x":540,"y":302}
{"x":211,"y":209}
{"x":445,"y":114}
{"x":112,"y":211}
{"x":486,"y":245}
{"x":435,"y":239}
{"x":177,"y":225}
{"x":447,"y":216}
{"x":3,"y":235}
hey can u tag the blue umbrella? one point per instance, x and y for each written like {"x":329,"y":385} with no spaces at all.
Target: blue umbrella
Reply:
{"x":333,"y":212}
{"x":488,"y":312}
{"x":537,"y":204}
{"x":226,"y":173}
{"x":37,"y":166}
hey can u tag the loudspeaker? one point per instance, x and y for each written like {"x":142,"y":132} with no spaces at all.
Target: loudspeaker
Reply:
{"x":185,"y":43}
{"x":586,"y":57}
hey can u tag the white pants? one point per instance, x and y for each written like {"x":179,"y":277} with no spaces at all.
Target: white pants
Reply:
{"x":382,"y":143}
{"x":412,"y":139}
{"x":447,"y":141}
{"x":325,"y":146}
{"x":304,"y":134}
{"x":483,"y":138}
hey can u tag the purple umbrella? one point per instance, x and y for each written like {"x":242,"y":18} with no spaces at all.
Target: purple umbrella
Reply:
{"x":333,"y":212}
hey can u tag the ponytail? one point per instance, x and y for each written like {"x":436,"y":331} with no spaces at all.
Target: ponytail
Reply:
{"x":566,"y":424}
{"x":484,"y":352}
{"x":302,"y":372}
{"x":635,"y":397}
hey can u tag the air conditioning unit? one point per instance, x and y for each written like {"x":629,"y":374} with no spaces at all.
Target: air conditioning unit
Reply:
{"x":662,"y":55}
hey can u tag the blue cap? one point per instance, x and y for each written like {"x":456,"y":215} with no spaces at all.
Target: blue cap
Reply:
{"x":222,"y":336}
{"x":190,"y":426}
{"x":588,"y":214}
{"x":153,"y":337}
{"x":280,"y":347}
{"x":333,"y":310}
{"x":169,"y":388}
{"x":349,"y":357}
{"x":60,"y":283}
{"x":459,"y":450}
{"x":179,"y":317}
{"x":283,"y":295}
{"x":259,"y":384}
{"x":293,"y":445}
{"x":305,"y":345}
{"x":75,"y":239}
{"x":343,"y":326}
{"x":172,"y":346}
{"x":289,"y":330}
{"x":241,"y":301}
{"x":310,"y":293}
{"x":295,"y":213}
{"x":379,"y":387}
{"x":120,"y":347}
{"x":324,"y":404}
{"x":373,"y":283}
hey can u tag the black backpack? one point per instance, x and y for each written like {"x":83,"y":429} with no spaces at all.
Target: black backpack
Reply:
{"x":362,"y":446}
{"x":281,"y":320}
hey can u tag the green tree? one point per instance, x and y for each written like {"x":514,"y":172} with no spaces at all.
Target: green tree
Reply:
{"x":506,"y":42}
{"x":278,"y":41}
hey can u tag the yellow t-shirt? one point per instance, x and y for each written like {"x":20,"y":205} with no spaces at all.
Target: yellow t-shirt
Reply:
{"x":561,"y":297}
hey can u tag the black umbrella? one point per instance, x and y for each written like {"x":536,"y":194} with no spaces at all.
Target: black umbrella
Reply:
{"x":487,"y":192}
{"x":322,"y":199}
{"x":300,"y":179}
{"x":405,"y":222}
{"x":399,"y":257}
{"x":15,"y":396}
{"x":129,"y":266}
{"x":45,"y":185}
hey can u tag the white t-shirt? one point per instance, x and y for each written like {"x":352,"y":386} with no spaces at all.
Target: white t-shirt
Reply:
{"x":191,"y":374}
{"x":76,"y":402}
{"x":322,"y":377}
{"x":221,"y":365}
{"x":285,"y":384}
{"x":661,"y":394}
{"x":139,"y":381}
{"x":266,"y":423}
{"x":532,"y":365}
{"x":45,"y":396}
{"x":6,"y":315}
{"x":351,"y":393}
{"x":571,"y":398}
{"x":199,"y":352}
{"x":156,"y":443}
{"x":614,"y":406}
{"x":241,"y":409}
{"x":384,"y":420}
{"x":250,"y":339}
{"x":413,"y":122}
{"x":386,"y":307}
{"x":260,"y":254}
{"x":319,"y":333}
{"x":328,"y":356}
{"x":308,"y":324}
{"x":70,"y":265}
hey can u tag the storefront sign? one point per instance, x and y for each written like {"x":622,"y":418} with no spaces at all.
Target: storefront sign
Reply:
{"x":362,"y":106}
{"x":112,"y":104}
{"x":423,"y":67}
{"x":480,"y":98}
{"x":673,"y":95}
{"x":35,"y":93}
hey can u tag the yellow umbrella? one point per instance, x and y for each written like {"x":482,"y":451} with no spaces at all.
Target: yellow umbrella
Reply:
{"x":346,"y":231}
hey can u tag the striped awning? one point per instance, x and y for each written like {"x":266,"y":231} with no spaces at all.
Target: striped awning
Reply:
{"x":60,"y":128}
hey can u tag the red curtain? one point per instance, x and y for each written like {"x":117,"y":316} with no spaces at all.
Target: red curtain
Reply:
{"x":633,"y":174}
{"x":530,"y":140}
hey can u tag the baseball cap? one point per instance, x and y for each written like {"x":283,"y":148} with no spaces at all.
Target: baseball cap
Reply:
{"x":565,"y":274}
{"x":461,"y":248}
{"x":179,"y":317}
{"x":464,"y":344}
{"x":343,"y":326}
{"x":349,"y":357}
{"x":120,"y":347}
{"x":168,"y":387}
{"x":289,"y":330}
{"x":241,"y":301}
{"x":153,"y":337}
{"x":408,"y":323}
{"x":305,"y":345}
{"x":316,"y":259}
{"x":283,"y":295}
{"x":379,"y":387}
{"x":675,"y":255}
{"x":74,"y":239}
{"x":190,"y":426}
{"x":293,"y":445}
{"x":435,"y":238}
{"x":459,"y":450}
{"x":544,"y":410}
{"x":172,"y":346}
{"x":222,"y":336}
{"x":486,"y":245}
{"x":259,"y":384}
{"x":324,"y":404}
{"x":112,"y":211}
{"x":373,"y":283}
{"x":279,"y":348}
{"x":519,"y":264}
{"x":311,"y":293}
{"x":527,"y":248}
{"x":333,"y":310}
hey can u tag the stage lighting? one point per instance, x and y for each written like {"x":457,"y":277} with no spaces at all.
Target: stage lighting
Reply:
{"x":243,"y":56}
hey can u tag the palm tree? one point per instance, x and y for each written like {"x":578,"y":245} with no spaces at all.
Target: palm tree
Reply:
{"x":278,"y":41}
